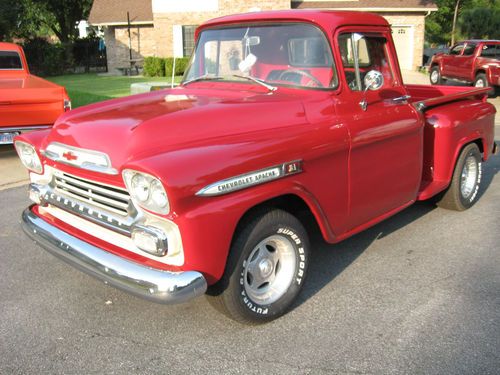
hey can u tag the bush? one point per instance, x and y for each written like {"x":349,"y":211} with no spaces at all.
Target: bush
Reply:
{"x":181,"y":64}
{"x":89,"y":52}
{"x":154,"y":67}
{"x":44,"y":58}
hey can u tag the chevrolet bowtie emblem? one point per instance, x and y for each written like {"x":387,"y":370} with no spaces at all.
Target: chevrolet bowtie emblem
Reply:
{"x":69,"y":156}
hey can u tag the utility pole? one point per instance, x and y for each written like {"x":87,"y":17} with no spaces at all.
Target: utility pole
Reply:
{"x":129,"y":37}
{"x":454,"y":26}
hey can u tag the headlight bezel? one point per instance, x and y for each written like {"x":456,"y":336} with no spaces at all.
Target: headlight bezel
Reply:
{"x":153,"y":182}
{"x":36,"y":165}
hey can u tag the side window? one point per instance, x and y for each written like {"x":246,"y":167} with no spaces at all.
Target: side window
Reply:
{"x":371,"y":51}
{"x":457,"y":49}
{"x":469,"y":49}
{"x":489,"y":51}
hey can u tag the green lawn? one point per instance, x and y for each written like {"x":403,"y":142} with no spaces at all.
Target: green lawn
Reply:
{"x":90,"y":88}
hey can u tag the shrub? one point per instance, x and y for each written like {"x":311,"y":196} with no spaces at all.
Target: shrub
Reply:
{"x":154,"y":67}
{"x":89,"y":52}
{"x":45,"y":58}
{"x":180,"y":65}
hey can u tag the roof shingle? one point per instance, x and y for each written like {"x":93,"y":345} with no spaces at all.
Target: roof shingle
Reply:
{"x":105,"y":12}
{"x":368,"y":4}
{"x":115,"y":11}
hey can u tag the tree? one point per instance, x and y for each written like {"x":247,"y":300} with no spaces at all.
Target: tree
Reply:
{"x":448,"y":23}
{"x":481,"y":23}
{"x":9,"y":12}
{"x":40,"y":18}
{"x":440,"y":26}
{"x":61,"y":16}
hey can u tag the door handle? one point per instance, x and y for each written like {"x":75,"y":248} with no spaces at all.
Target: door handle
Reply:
{"x":400,"y":99}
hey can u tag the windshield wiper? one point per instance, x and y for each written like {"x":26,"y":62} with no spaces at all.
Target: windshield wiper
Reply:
{"x":218,"y":78}
{"x":202,"y":78}
{"x":257,"y":80}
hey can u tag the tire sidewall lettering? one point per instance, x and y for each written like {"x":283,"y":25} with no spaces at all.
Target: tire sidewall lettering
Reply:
{"x":478,"y":182}
{"x":299,"y":273}
{"x":469,"y":201}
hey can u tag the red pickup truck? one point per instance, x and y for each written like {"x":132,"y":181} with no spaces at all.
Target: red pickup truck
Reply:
{"x":27,"y":102}
{"x":472,"y":61}
{"x":284,"y":120}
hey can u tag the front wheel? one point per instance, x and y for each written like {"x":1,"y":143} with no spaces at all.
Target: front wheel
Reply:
{"x":435,"y":76}
{"x":463,"y":190}
{"x":265,"y":270}
{"x":481,"y":80}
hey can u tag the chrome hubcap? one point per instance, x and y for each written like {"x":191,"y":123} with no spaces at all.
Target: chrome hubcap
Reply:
{"x":269,"y":270}
{"x":265,"y":268}
{"x":469,"y":176}
{"x":480,"y":83}
{"x":434,"y":76}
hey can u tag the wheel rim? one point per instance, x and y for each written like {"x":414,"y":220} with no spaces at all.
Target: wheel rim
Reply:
{"x":270,"y":269}
{"x":434,"y":76}
{"x":480,"y":83}
{"x":470,"y":172}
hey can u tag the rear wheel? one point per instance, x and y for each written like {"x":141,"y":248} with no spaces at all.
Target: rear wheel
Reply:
{"x":481,"y":80}
{"x":463,"y":190}
{"x":265,"y":269}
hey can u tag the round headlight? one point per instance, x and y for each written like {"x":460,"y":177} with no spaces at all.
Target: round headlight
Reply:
{"x":158,"y":194}
{"x":147,"y":191}
{"x":140,"y":187}
{"x":28,"y":156}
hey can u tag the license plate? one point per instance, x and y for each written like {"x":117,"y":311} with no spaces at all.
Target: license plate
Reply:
{"x":7,"y":138}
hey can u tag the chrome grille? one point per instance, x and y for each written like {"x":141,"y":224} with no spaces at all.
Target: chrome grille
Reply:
{"x":110,"y":198}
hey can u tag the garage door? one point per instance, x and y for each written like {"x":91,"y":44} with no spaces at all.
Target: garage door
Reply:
{"x":403,"y":39}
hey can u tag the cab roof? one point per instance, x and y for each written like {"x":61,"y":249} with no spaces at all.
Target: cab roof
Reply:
{"x":480,"y":41}
{"x":9,"y":47}
{"x":327,"y":20}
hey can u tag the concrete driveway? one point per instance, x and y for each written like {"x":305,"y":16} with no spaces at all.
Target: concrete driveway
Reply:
{"x":12,"y":172}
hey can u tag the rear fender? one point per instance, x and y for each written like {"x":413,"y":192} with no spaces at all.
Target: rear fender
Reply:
{"x":448,"y":129}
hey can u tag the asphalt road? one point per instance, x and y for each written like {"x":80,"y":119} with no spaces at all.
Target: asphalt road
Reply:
{"x":416,"y":294}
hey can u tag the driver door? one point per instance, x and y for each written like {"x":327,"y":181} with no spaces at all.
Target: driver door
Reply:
{"x":386,"y":138}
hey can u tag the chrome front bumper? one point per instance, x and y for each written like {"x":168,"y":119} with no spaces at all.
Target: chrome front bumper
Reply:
{"x":149,"y":283}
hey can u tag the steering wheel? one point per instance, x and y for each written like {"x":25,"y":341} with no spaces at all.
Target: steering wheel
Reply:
{"x":312,"y":79}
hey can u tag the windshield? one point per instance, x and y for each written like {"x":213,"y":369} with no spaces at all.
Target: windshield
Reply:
{"x":9,"y":60}
{"x":285,"y":54}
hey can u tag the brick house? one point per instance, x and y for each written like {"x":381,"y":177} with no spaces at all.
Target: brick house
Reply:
{"x":166,"y":27}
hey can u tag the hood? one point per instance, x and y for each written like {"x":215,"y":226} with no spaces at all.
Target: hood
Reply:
{"x":140,"y":126}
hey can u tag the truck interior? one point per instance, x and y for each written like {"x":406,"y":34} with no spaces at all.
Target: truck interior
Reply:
{"x":289,"y":54}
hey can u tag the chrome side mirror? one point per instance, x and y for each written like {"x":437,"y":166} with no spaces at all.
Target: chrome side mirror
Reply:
{"x":373,"y":80}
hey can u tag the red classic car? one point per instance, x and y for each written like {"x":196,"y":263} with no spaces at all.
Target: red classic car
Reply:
{"x":473,"y":61}
{"x":284,"y":121}
{"x":27,"y":102}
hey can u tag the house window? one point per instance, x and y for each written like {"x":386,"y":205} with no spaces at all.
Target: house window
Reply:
{"x":188,"y":40}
